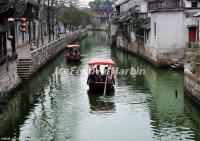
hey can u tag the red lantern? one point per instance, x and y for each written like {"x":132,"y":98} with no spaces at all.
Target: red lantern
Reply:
{"x":10,"y":37}
{"x":23,"y":29}
{"x":22,"y":19}
{"x":23,"y":24}
{"x":10,"y":21}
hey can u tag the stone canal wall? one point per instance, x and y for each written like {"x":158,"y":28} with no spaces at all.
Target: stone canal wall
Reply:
{"x":191,"y":74}
{"x":42,"y":55}
{"x":157,"y":56}
{"x":29,"y":62}
{"x":192,"y":85}
{"x":9,"y":78}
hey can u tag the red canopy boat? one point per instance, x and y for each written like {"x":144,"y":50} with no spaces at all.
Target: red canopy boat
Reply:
{"x":98,"y":79}
{"x":73,"y":53}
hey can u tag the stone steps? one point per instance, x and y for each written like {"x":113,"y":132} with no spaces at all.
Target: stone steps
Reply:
{"x":23,"y":68}
{"x":178,"y":66}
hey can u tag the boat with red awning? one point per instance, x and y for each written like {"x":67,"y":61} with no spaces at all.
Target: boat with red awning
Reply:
{"x":101,"y":74}
{"x":73,"y":53}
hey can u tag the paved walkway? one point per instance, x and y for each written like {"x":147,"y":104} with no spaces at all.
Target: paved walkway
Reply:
{"x":9,"y":77}
{"x":11,"y":66}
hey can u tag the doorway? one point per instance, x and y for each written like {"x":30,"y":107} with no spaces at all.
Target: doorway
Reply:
{"x":192,"y":34}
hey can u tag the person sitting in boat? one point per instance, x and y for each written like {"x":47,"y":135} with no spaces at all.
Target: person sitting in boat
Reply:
{"x":71,"y":52}
{"x":92,"y":75}
{"x":110,"y":77}
{"x":76,"y":54}
{"x":105,"y":74}
{"x":98,"y":73}
{"x":109,"y":69}
{"x":68,"y":55}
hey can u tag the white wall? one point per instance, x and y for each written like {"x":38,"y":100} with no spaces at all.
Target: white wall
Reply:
{"x":118,"y":2}
{"x":143,"y":7}
{"x":188,"y":3}
{"x":170,"y":30}
{"x":113,"y":28}
{"x":124,"y":7}
{"x":133,"y":37}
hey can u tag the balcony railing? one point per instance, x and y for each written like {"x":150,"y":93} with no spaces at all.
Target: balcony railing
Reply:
{"x":143,"y":15}
{"x":165,"y":5}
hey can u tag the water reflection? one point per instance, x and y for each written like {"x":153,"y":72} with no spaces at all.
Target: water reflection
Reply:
{"x":56,"y":105}
{"x":165,"y":98}
{"x":15,"y":112}
{"x":100,"y":104}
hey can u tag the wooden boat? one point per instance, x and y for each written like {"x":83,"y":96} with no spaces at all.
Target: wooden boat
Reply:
{"x":97,"y":80}
{"x":73,"y":53}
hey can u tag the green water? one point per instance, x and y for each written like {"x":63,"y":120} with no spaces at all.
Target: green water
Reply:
{"x":56,"y":105}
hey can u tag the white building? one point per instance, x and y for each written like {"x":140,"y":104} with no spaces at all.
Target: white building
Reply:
{"x":172,"y":25}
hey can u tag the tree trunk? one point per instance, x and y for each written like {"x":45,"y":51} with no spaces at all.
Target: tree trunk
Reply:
{"x":48,"y":20}
{"x":58,"y":27}
{"x":52,"y":18}
{"x":39,"y":30}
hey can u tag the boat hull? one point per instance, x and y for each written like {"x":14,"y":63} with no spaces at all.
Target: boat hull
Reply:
{"x":73,"y":60}
{"x":99,"y":86}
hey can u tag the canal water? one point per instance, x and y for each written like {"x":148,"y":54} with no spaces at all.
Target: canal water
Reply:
{"x":56,"y":104}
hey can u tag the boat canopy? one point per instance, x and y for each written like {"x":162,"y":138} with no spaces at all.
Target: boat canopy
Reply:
{"x":73,"y":46}
{"x":101,"y":62}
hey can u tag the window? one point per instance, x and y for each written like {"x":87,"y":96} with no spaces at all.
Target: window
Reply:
{"x":148,"y":34}
{"x":154,"y":29}
{"x":194,"y":4}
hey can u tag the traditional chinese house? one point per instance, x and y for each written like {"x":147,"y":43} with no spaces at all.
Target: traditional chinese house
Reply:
{"x":12,"y":29}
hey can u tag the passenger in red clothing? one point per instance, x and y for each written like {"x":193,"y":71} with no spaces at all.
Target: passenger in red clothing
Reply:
{"x":68,"y":55}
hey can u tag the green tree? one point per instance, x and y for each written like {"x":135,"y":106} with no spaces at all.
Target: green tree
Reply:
{"x":137,"y":22}
{"x":74,"y":17}
{"x":99,"y":3}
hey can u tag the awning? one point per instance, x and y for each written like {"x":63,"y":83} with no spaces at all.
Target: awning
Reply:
{"x":101,"y":62}
{"x":73,"y":46}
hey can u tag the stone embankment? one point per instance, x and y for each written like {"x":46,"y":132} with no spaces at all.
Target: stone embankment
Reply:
{"x":29,"y":62}
{"x":191,"y":74}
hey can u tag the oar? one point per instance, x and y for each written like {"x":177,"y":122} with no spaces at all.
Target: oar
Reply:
{"x":104,"y":93}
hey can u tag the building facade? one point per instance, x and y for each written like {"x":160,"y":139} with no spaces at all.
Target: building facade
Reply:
{"x":100,"y":17}
{"x":16,"y":10}
{"x":169,"y":26}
